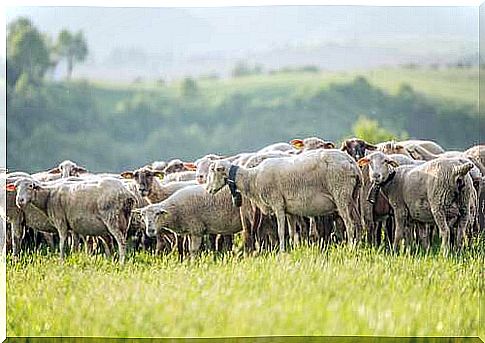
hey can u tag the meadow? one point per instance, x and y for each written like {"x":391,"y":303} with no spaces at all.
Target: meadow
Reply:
{"x":337,"y":291}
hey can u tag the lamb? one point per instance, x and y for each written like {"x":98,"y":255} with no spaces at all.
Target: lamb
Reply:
{"x":92,"y":207}
{"x":192,"y":211}
{"x":428,"y":193}
{"x":312,"y":184}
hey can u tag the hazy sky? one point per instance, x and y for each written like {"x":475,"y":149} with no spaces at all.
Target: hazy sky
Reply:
{"x":185,"y":35}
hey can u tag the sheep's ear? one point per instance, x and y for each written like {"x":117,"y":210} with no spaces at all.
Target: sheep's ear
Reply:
{"x":127,"y":175}
{"x":297,"y":144}
{"x":81,"y":170}
{"x":190,"y":166}
{"x":161,"y":211}
{"x":363,"y":161}
{"x":160,"y":174}
{"x":344,"y":146}
{"x":463,"y":169}
{"x":10,"y":187}
{"x":392,"y":163}
{"x":329,"y":145}
{"x":55,"y":170}
{"x":370,"y":146}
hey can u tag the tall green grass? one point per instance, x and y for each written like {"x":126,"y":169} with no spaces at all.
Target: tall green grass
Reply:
{"x":304,"y":292}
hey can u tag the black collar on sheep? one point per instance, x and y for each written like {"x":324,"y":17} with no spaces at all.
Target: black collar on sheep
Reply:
{"x":231,"y":181}
{"x":376,"y":187}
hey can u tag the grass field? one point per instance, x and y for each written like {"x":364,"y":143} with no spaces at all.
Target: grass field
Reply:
{"x":305,"y":292}
{"x":452,"y":84}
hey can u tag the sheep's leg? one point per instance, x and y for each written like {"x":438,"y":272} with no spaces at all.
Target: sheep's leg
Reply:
{"x":281,"y":218}
{"x":17,"y":233}
{"x":62,"y":242}
{"x":180,"y":247}
{"x":295,"y":240}
{"x":75,"y":242}
{"x":120,"y":240}
{"x":440,"y":220}
{"x":348,"y":212}
{"x":401,"y":217}
{"x":195,"y":243}
{"x":423,"y":234}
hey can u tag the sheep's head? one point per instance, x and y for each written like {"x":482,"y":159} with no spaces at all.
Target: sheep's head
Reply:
{"x":202,"y":167}
{"x":311,"y":143}
{"x":392,"y":147}
{"x":217,"y":176}
{"x":356,"y":147}
{"x":68,"y":168}
{"x":154,"y":217}
{"x":145,"y":178}
{"x":26,"y":189}
{"x":175,"y":166}
{"x":380,"y":166}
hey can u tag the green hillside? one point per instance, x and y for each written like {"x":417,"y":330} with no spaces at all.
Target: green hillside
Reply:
{"x":118,"y":126}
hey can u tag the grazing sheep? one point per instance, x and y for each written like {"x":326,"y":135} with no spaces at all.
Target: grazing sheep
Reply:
{"x":313,"y":184}
{"x":192,"y":211}
{"x":92,"y":207}
{"x":427,"y":193}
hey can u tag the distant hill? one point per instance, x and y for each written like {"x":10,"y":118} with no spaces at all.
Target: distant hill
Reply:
{"x":114,"y":126}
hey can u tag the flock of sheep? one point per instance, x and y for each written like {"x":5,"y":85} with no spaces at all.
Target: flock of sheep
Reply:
{"x":303,"y":192}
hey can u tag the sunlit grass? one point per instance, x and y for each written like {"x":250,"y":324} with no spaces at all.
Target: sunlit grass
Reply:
{"x":304,"y":292}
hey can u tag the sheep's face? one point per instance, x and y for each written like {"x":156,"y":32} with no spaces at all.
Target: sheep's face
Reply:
{"x":314,"y":143}
{"x":380,"y":166}
{"x":69,"y":168}
{"x":217,"y":176}
{"x":26,"y":192}
{"x":202,"y":170}
{"x":174,"y":166}
{"x":357,"y":148}
{"x":145,"y":178}
{"x":392,"y":147}
{"x":153,"y":217}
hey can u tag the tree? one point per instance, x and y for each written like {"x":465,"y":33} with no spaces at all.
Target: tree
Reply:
{"x":27,"y":52}
{"x":189,"y":87}
{"x":369,"y":130}
{"x":71,"y":47}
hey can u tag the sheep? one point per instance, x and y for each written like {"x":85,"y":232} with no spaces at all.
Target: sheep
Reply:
{"x":392,"y":147}
{"x":431,"y":146}
{"x":317,"y":183}
{"x":283,"y":147}
{"x":194,"y":212}
{"x":357,"y":147}
{"x":311,"y":143}
{"x":405,"y":147}
{"x":425,"y":193}
{"x":179,"y":176}
{"x":150,"y":185}
{"x":93,"y":207}
{"x":21,"y":219}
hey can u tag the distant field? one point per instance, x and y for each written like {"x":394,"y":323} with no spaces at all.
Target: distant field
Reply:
{"x":305,"y":292}
{"x":456,"y":85}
